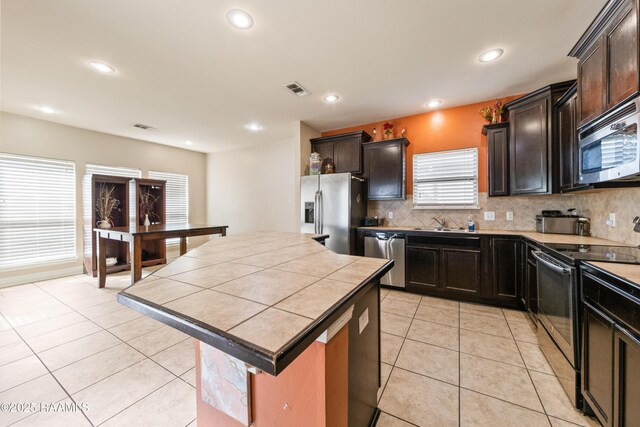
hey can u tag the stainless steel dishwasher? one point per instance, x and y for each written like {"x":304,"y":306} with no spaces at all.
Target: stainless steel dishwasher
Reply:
{"x":388,"y":245}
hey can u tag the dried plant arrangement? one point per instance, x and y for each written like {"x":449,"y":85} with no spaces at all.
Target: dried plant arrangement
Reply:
{"x":147,"y":204}
{"x":106,"y":204}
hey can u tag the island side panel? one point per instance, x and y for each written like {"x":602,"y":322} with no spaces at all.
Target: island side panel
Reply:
{"x":312,"y":391}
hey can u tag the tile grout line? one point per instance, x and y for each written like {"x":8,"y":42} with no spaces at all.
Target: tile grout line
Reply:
{"x":459,"y":371}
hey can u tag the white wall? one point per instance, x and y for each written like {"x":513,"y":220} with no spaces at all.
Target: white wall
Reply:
{"x":32,"y":137}
{"x":254,"y":188}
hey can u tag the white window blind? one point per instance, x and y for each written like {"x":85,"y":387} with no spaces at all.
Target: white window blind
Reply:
{"x":177,"y":194}
{"x":446,"y":179}
{"x":37,"y":210}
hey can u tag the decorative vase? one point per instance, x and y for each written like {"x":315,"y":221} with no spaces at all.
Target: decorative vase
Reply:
{"x":104,"y":223}
{"x":146,"y":220}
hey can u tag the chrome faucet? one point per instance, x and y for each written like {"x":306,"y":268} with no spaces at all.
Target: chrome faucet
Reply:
{"x":441,"y":222}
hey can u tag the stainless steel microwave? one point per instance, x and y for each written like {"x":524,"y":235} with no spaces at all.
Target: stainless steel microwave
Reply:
{"x":610,"y":151}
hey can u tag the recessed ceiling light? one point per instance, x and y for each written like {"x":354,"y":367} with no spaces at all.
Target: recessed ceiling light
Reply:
{"x":330,"y":98}
{"x":491,"y":55}
{"x":47,"y":110}
{"x":188,"y":142}
{"x":102,"y":67}
{"x":434,"y":103}
{"x":254,"y":127}
{"x":239,"y":19}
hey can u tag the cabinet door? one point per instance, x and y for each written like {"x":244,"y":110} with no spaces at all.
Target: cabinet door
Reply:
{"x":531,"y":296}
{"x":506,"y":272}
{"x":626,"y":394}
{"x":567,"y":140}
{"x":498,"y":152}
{"x":461,"y":270}
{"x":621,"y":42}
{"x":347,"y":156}
{"x":325,"y":149}
{"x":529,"y":148}
{"x":597,"y":363}
{"x":591,"y":84}
{"x":423,"y":269}
{"x":384,"y":167}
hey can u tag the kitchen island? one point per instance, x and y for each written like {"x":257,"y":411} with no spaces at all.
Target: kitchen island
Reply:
{"x":288,"y":332}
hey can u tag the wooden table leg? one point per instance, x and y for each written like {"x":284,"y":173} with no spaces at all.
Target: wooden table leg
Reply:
{"x":183,"y":245}
{"x":224,"y":232}
{"x":135,"y":250}
{"x":102,"y":260}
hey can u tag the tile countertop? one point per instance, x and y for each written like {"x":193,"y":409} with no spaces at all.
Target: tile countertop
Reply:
{"x":262,"y":297}
{"x":533,"y":235}
{"x":629,"y":272}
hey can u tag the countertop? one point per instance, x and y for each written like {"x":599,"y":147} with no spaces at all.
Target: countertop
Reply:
{"x":262,"y":297}
{"x":629,"y":272}
{"x":532,"y":235}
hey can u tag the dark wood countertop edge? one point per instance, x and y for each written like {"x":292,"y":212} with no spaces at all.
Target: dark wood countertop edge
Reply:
{"x":252,"y":354}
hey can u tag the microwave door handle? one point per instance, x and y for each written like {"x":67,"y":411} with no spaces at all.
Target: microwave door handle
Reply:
{"x":541,"y":257}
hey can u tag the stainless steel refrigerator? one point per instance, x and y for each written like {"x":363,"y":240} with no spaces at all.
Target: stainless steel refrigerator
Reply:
{"x":333,"y":204}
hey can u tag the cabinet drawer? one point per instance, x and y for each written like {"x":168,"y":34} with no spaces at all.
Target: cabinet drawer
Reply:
{"x":619,"y":304}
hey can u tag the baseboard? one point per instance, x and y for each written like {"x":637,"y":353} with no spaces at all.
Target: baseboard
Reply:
{"x":40,"y":276}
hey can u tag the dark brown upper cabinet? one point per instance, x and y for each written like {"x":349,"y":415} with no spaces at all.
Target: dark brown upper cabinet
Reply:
{"x":344,"y":150}
{"x":498,"y":158}
{"x":384,"y":168}
{"x":533,"y":148}
{"x":608,"y":70}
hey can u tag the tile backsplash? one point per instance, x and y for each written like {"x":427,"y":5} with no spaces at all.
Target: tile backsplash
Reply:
{"x":625,"y":203}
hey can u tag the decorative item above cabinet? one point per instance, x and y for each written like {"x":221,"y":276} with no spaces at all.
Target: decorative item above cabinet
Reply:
{"x":497,"y":158}
{"x":344,"y":151}
{"x":608,"y":69}
{"x":533,"y":147}
{"x":384,"y":168}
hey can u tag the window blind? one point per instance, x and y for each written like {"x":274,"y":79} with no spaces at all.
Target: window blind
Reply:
{"x":177,"y":198}
{"x":446,"y":179}
{"x":37,"y":210}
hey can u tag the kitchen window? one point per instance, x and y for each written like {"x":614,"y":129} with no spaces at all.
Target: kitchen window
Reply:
{"x":177,"y":198}
{"x":446,"y":179}
{"x":37,"y":210}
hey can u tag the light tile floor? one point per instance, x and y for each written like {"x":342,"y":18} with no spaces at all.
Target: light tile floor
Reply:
{"x":65,"y":341}
{"x":445,"y":363}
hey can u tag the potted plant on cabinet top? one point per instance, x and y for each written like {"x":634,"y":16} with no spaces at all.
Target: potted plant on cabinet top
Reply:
{"x":105,"y":205}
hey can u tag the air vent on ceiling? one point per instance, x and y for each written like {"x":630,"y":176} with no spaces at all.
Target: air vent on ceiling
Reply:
{"x":143,"y":127}
{"x":297,"y":89}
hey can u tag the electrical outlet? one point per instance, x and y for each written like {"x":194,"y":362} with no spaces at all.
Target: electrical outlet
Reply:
{"x":509,"y":216}
{"x":390,"y":215}
{"x":611,"y":222}
{"x":489,"y":216}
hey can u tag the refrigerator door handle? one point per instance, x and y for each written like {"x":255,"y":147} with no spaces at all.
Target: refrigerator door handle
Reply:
{"x":321,"y":214}
{"x":315,"y":213}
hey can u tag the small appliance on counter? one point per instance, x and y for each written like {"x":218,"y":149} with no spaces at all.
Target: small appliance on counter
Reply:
{"x":557,"y":222}
{"x":371,"y":221}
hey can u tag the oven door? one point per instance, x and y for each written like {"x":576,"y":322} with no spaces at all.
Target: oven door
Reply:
{"x":557,"y":303}
{"x":611,"y":153}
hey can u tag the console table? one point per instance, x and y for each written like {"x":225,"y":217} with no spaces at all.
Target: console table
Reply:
{"x":135,"y":235}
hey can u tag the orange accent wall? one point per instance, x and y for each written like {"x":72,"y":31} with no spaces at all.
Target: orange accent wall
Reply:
{"x":446,"y":129}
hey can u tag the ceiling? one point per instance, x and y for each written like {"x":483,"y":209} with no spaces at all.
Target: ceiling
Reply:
{"x":184,"y":71}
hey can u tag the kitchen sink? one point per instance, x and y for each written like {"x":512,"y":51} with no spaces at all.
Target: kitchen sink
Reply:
{"x":439,"y":229}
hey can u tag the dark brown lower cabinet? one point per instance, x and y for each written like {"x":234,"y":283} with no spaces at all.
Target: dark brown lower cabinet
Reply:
{"x":505,"y":263}
{"x":626,"y":384}
{"x":435,"y":266}
{"x":611,"y":347}
{"x":461,"y":270}
{"x":597,"y":368}
{"x":423,"y":268}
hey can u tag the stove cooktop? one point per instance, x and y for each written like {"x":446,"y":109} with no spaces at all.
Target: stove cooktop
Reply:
{"x":620,"y":254}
